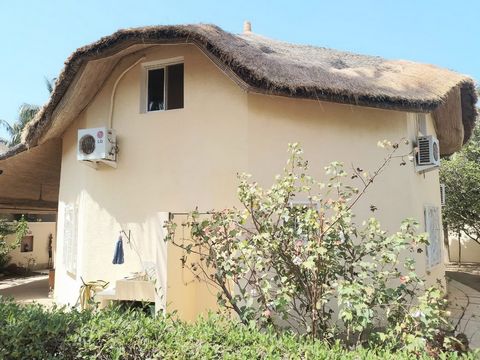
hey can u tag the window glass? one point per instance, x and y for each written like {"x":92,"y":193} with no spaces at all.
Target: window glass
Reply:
{"x":175,"y":86}
{"x":156,"y":85}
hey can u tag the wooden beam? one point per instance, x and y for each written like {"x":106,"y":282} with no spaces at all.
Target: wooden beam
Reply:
{"x":27,"y":204}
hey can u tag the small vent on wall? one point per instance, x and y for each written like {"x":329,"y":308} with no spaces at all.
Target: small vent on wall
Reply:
{"x":442,"y":194}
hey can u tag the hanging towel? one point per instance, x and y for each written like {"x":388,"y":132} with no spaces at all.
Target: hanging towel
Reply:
{"x":118,"y":254}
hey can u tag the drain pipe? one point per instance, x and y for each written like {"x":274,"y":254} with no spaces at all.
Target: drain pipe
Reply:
{"x":112,"y":99}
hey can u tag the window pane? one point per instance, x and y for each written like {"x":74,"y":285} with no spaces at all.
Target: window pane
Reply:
{"x":156,"y":79}
{"x":175,"y":86}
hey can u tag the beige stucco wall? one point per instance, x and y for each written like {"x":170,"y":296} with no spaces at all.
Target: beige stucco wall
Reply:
{"x":40,"y":232}
{"x":425,"y":191}
{"x":178,"y":160}
{"x":469,"y":250}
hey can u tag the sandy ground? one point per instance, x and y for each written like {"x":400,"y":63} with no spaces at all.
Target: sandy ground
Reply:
{"x":27,"y":290}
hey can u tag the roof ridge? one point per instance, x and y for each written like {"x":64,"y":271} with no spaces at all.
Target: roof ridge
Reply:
{"x":281,"y":68}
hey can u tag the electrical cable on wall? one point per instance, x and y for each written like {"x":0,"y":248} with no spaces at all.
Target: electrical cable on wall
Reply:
{"x":112,"y":99}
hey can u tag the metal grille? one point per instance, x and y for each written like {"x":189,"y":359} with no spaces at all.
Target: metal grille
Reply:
{"x":87,"y":144}
{"x":442,"y":194}
{"x":424,"y":151}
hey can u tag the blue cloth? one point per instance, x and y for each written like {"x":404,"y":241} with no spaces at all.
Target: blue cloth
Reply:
{"x":118,"y":254}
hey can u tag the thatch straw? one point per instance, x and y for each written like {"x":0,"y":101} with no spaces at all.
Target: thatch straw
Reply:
{"x":279,"y":68}
{"x":12,"y":151}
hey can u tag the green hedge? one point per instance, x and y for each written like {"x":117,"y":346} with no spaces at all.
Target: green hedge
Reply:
{"x":32,"y":332}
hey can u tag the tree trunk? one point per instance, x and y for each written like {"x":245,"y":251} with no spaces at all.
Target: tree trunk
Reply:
{"x":446,"y":240}
{"x":459,"y":250}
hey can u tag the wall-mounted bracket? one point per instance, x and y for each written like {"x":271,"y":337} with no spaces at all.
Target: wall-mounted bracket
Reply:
{"x":128,"y":236}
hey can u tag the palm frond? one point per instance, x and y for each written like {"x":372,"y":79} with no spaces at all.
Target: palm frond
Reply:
{"x":26,"y":112}
{"x":10,"y":130}
{"x":6,"y":125}
{"x":50,"y":84}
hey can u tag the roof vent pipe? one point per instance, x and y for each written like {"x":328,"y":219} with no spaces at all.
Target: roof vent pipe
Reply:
{"x":247,"y":27}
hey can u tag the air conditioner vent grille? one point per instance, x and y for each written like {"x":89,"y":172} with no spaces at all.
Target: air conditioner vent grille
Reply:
{"x":424,"y":151}
{"x":427,"y":153}
{"x":87,"y":144}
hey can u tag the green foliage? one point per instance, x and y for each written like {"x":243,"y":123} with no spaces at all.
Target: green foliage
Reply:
{"x":310,"y":267}
{"x":461,"y":175}
{"x":32,"y":332}
{"x":20,"y":228}
{"x":26,"y":112}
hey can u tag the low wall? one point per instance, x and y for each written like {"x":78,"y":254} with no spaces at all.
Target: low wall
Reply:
{"x":468,"y":252}
{"x":39,"y":251}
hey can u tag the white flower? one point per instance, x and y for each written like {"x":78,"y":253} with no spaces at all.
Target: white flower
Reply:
{"x":418,"y":314}
{"x":297,"y":260}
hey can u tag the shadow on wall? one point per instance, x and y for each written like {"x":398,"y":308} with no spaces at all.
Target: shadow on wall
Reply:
{"x":463,"y":250}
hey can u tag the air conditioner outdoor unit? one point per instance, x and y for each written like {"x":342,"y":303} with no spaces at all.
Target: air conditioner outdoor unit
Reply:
{"x":97,"y":145}
{"x":427,"y":153}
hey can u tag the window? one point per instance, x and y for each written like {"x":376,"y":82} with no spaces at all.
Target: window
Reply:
{"x":432,"y":227}
{"x":27,"y":244}
{"x":164,"y":87}
{"x":70,"y":240}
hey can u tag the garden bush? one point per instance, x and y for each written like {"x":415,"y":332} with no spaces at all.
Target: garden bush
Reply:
{"x":32,"y":332}
{"x":295,"y":256}
{"x":20,"y":229}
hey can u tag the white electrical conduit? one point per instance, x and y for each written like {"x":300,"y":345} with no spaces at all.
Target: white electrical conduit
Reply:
{"x":112,"y":99}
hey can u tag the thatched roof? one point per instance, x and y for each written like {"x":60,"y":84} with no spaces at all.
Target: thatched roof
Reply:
{"x":3,"y":148}
{"x":263,"y":65}
{"x":30,"y":180}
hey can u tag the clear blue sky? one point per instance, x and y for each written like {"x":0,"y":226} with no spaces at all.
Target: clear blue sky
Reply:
{"x":37,"y":36}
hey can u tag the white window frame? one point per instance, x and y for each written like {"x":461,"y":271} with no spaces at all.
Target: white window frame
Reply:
{"x":155,"y":65}
{"x":70,"y":238}
{"x":433,"y":258}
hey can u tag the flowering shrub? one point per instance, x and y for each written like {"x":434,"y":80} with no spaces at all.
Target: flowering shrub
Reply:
{"x":30,"y":331}
{"x":294,"y":257}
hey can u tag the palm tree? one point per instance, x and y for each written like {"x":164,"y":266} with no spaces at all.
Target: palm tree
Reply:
{"x":26,"y":112}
